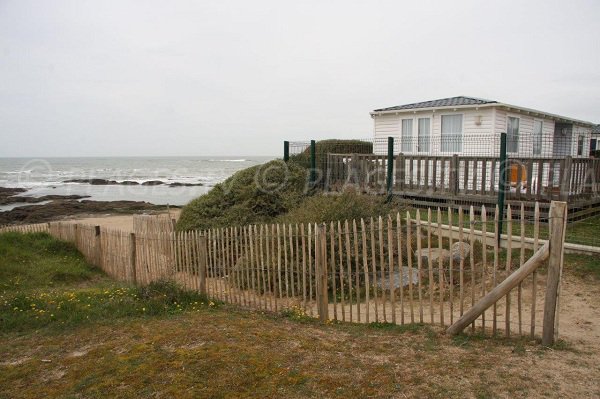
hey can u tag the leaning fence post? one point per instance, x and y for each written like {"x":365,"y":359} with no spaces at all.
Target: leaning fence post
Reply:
{"x":558,"y":218}
{"x":321,"y":273}
{"x":202,"y":264}
{"x":390,"y":168}
{"x":132,"y":257}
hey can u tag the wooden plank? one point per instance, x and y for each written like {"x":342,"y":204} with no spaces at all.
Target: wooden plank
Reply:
{"x":349,"y":266}
{"x":341,"y":265}
{"x":279,"y":286}
{"x":391,"y":283}
{"x":381,"y":269}
{"x":400,"y":264}
{"x":374,"y":268}
{"x":462,"y":260}
{"x":484,"y":261}
{"x":495,"y":269}
{"x":303,"y":240}
{"x":410,"y":267}
{"x":441,"y":276}
{"x":365,"y":251}
{"x":310,"y":267}
{"x":419,"y":267}
{"x":508,"y":267}
{"x":521,"y":262}
{"x":430,"y":267}
{"x":273,"y":268}
{"x":285,"y":263}
{"x":357,"y":268}
{"x":451,"y":267}
{"x":261,"y":236}
{"x":536,"y":235}
{"x":499,"y":291}
{"x":297,"y":262}
{"x":472,"y":258}
{"x":332,"y":268}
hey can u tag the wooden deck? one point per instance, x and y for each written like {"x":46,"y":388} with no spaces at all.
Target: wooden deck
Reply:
{"x":465,"y":180}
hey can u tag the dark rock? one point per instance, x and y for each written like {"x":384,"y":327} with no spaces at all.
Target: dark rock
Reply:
{"x":178,"y":184}
{"x":129,"y":183}
{"x":152,"y":183}
{"x":59,"y":209}
{"x":94,"y":182}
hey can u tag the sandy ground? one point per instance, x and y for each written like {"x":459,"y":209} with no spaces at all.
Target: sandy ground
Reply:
{"x":121,"y":222}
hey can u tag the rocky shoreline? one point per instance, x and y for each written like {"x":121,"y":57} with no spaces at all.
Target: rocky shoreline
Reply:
{"x":106,"y":182}
{"x":61,"y":207}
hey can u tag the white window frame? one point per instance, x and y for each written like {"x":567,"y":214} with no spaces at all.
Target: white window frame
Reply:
{"x":462,"y":133}
{"x":418,"y":118}
{"x":410,"y":138}
{"x":580,"y":145}
{"x":508,"y":150}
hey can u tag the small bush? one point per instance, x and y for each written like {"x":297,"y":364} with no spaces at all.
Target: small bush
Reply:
{"x":253,"y":195}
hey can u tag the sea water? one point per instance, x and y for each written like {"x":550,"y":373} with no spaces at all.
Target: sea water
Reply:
{"x":46,"y":176}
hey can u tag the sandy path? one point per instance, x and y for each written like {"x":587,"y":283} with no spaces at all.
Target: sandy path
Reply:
{"x":121,"y":222}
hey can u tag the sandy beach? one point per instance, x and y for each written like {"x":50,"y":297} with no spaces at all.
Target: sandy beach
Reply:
{"x":119,"y":222}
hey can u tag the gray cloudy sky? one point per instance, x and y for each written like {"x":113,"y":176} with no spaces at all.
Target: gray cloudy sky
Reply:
{"x":84,"y":78}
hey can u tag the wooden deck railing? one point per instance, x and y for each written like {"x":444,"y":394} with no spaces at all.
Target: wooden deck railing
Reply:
{"x":528,"y":179}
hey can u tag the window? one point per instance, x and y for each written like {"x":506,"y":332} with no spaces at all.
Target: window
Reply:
{"x":593,"y":144}
{"x":452,"y":133}
{"x":580,"y":142}
{"x":512,"y":134}
{"x":423,"y":135}
{"x":537,"y":137}
{"x":407,"y":128}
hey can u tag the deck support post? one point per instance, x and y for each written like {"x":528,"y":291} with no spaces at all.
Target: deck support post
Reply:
{"x":390,"y":169}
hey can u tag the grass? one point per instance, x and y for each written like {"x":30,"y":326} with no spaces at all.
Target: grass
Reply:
{"x":47,"y":283}
{"x":584,"y":232}
{"x":178,"y":347}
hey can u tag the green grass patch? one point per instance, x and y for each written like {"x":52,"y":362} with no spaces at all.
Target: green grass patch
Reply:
{"x":47,"y":283}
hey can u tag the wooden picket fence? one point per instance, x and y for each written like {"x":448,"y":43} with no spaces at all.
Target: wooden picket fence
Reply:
{"x":399,"y":269}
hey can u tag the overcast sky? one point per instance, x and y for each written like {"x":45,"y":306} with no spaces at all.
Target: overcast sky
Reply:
{"x":84,"y":78}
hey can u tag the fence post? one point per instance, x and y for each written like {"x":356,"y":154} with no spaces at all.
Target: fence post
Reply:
{"x":132,"y":257}
{"x":202,"y":264}
{"x":390,"y":168}
{"x":401,"y":167}
{"x":286,"y":151}
{"x":313,"y":163}
{"x":321,"y":273}
{"x":565,"y":178}
{"x":453,"y":175}
{"x":98,"y":247}
{"x":501,"y":184}
{"x":558,"y":219}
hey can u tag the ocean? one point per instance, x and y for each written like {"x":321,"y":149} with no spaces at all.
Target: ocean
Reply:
{"x":47,"y":176}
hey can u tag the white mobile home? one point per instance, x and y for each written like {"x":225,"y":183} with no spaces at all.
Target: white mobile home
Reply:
{"x":472,"y":126}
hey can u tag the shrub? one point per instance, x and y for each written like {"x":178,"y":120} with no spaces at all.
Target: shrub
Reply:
{"x":327,"y":208}
{"x":253,"y":195}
